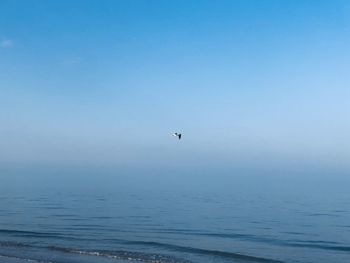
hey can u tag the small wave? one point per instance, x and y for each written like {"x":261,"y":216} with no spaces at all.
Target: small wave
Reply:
{"x":205,"y":251}
{"x":24,"y":259}
{"x":149,"y":257}
{"x":120,"y":255}
{"x":29,"y":233}
{"x":316,"y":244}
{"x":33,"y":234}
{"x":320,"y":246}
{"x":123,"y":255}
{"x":324,"y":215}
{"x":13,"y":244}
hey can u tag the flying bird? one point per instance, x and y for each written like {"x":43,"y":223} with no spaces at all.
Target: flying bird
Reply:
{"x":178,"y":135}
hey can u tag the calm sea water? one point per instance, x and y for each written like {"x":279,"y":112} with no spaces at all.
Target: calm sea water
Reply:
{"x":66,"y":219}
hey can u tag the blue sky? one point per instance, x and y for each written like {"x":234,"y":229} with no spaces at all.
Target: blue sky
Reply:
{"x":105,"y":83}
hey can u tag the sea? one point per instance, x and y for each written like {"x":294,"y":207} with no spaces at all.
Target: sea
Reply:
{"x":75,"y":218}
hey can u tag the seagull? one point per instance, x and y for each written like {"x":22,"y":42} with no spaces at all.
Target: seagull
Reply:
{"x":178,"y":135}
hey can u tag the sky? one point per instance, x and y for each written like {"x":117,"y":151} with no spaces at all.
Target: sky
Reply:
{"x":250,"y":84}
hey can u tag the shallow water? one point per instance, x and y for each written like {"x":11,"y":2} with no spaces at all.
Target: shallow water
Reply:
{"x":236,"y":220}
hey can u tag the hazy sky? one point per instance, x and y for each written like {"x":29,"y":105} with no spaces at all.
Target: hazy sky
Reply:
{"x":105,"y":83}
